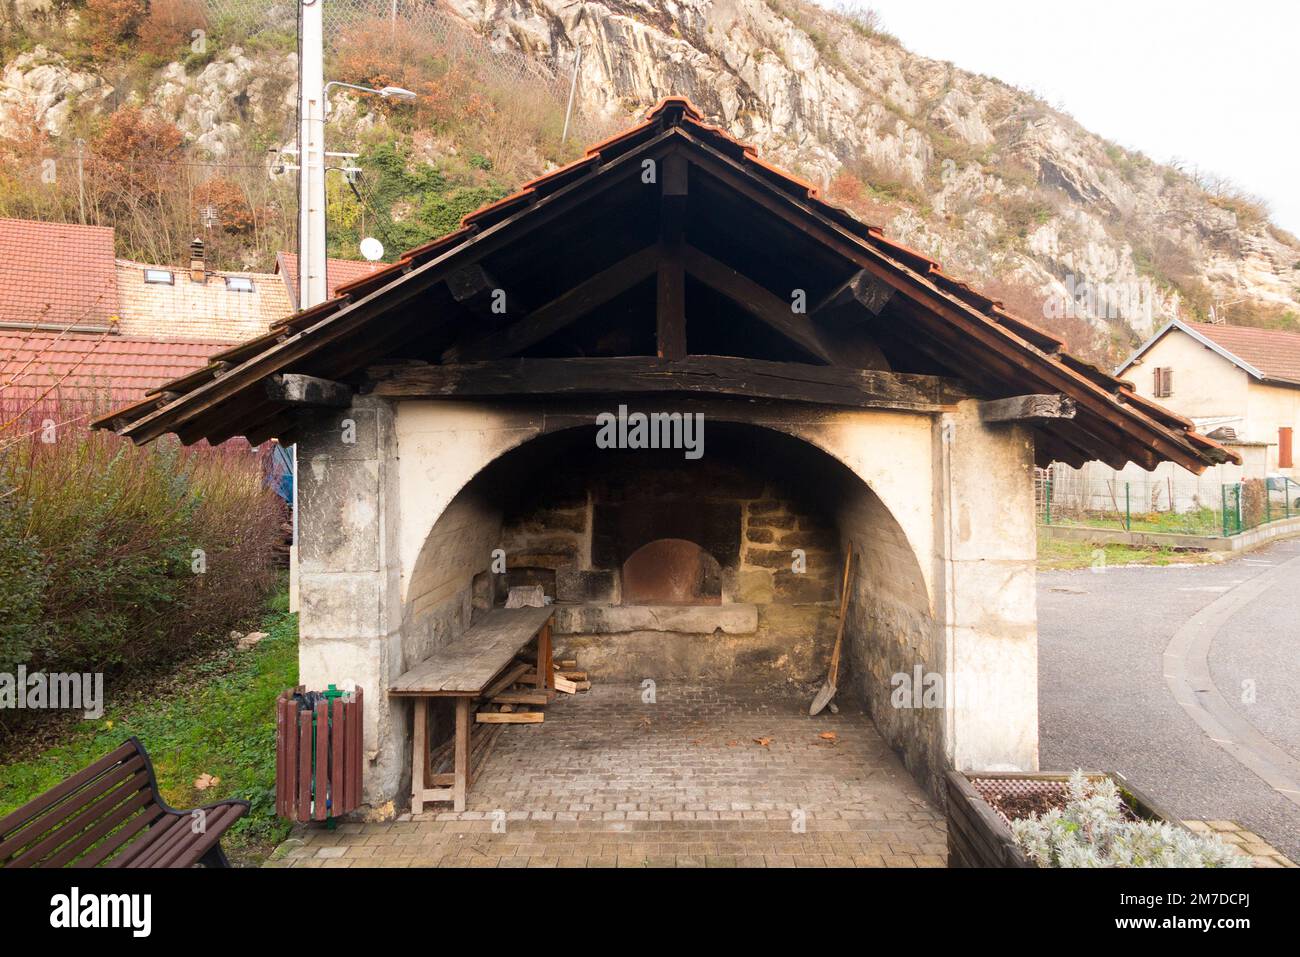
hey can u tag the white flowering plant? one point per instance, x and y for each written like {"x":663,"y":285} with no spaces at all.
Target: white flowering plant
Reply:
{"x":1094,"y":830}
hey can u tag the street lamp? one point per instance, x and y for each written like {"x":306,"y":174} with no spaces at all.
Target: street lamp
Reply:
{"x":387,"y":92}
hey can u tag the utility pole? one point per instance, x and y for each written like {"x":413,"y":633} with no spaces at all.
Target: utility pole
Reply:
{"x":311,"y":154}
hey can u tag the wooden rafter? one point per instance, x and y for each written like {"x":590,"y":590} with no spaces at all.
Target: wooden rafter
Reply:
{"x":724,"y":375}
{"x":561,"y":311}
{"x":670,"y":283}
{"x":766,"y":306}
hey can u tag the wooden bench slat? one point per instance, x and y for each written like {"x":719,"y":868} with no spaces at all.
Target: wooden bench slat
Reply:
{"x":145,"y":842}
{"x":120,"y":837}
{"x":141,"y":799}
{"x":69,"y":830}
{"x":77,"y":800}
{"x":186,"y":851}
{"x":178,"y":829}
{"x":40,"y":803}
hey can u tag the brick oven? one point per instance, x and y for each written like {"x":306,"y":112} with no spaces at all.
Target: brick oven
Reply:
{"x":844,"y":394}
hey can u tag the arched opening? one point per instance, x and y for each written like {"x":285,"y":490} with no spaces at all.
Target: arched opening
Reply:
{"x":724,"y":569}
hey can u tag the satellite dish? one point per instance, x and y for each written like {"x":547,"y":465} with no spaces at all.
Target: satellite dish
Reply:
{"x":372,"y":248}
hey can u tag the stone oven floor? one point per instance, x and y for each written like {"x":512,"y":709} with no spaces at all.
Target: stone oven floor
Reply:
{"x":705,"y":777}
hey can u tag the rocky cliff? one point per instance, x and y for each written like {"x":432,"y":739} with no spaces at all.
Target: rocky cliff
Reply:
{"x":1071,"y":230}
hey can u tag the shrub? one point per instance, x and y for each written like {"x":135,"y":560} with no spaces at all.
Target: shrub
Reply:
{"x":1092,"y":830}
{"x":98,"y":543}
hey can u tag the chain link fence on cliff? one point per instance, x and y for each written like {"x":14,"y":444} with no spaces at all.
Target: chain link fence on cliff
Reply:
{"x":456,"y":39}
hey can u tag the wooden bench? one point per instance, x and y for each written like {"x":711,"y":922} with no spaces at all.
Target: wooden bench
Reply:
{"x":112,"y":814}
{"x":478,"y":664}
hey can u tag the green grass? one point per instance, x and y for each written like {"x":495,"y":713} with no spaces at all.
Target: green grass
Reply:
{"x":1055,"y":554}
{"x":220,"y":722}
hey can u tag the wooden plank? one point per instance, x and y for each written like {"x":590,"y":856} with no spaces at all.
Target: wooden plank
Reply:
{"x":321,"y":777}
{"x":357,"y":725}
{"x":337,"y":803}
{"x":511,"y":717}
{"x":462,"y":754}
{"x":771,"y":309}
{"x":304,"y":765}
{"x":510,"y":677}
{"x":520,"y":697}
{"x":670,"y":283}
{"x":710,"y":375}
{"x":568,"y":307}
{"x":565,"y":685}
{"x":291,"y":388}
{"x":468,"y":665}
{"x":1027,"y":408}
{"x":419,"y":754}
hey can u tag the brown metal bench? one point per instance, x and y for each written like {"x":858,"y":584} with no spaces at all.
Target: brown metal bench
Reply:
{"x":112,"y":814}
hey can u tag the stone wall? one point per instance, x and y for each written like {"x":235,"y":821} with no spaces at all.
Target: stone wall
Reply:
{"x":573,"y":528}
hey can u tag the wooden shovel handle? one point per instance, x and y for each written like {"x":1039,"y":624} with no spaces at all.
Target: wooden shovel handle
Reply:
{"x":844,"y":607}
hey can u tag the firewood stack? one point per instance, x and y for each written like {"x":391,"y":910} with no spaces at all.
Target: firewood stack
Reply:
{"x":515,"y":695}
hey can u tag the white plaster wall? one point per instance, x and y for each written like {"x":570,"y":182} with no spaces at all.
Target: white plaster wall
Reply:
{"x":443,"y":444}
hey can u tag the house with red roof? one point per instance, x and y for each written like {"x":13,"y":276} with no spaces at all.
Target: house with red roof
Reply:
{"x":1239,"y":384}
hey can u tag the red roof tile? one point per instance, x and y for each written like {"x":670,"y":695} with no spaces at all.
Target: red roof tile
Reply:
{"x":1275,"y":354}
{"x":88,"y":368}
{"x":57,"y":273}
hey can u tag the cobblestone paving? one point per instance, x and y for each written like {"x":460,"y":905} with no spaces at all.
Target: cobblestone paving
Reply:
{"x":704,"y":777}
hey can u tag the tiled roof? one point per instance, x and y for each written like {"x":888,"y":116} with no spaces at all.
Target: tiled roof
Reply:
{"x":90,"y":368}
{"x":338,"y":272}
{"x":1126,"y":421}
{"x":59,"y":274}
{"x":1276,"y":355}
{"x":204,"y":311}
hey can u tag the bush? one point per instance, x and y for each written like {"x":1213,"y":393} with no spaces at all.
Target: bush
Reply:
{"x":121,"y":559}
{"x":1092,"y":830}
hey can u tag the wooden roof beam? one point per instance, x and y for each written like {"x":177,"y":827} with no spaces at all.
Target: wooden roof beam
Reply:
{"x":771,"y":309}
{"x":561,"y":311}
{"x":726,"y":375}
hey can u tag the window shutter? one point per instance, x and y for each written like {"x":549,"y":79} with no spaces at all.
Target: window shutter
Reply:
{"x":1169,"y":381}
{"x":1284,"y":453}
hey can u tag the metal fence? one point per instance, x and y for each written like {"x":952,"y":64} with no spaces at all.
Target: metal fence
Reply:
{"x":1174,"y":502}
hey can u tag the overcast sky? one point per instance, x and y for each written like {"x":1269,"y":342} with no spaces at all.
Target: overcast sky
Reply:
{"x":1214,"y":84}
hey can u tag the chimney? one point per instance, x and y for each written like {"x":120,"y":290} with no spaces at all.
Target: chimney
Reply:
{"x":198,"y":266}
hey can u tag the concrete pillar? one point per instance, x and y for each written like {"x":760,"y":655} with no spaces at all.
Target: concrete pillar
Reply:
{"x":987,"y":608}
{"x":349,"y":575}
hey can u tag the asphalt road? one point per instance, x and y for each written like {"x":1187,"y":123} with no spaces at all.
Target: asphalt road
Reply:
{"x":1105,"y":701}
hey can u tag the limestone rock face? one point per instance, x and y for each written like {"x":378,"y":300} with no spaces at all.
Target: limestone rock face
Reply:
{"x":215,"y":105}
{"x":988,"y":178}
{"x":42,"y":86}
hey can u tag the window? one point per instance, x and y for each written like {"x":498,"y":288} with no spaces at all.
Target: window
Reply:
{"x":239,"y":284}
{"x":161,"y":277}
{"x":1164,"y":384}
{"x":1285,"y":459}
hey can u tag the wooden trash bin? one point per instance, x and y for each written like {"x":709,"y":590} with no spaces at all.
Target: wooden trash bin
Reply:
{"x":318,"y":754}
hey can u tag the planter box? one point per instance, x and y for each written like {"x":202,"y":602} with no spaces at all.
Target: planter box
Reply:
{"x":978,"y":834}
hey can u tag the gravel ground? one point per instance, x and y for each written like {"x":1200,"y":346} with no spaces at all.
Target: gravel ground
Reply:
{"x":1103,"y":701}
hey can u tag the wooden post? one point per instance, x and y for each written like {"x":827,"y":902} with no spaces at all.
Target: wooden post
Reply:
{"x":462,"y":753}
{"x":671,"y":287}
{"x":420,"y":755}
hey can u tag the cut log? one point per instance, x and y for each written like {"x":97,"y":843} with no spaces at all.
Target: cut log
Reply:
{"x":565,"y":685}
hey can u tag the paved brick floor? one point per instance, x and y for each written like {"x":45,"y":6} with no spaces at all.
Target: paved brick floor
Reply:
{"x":608,"y":780}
